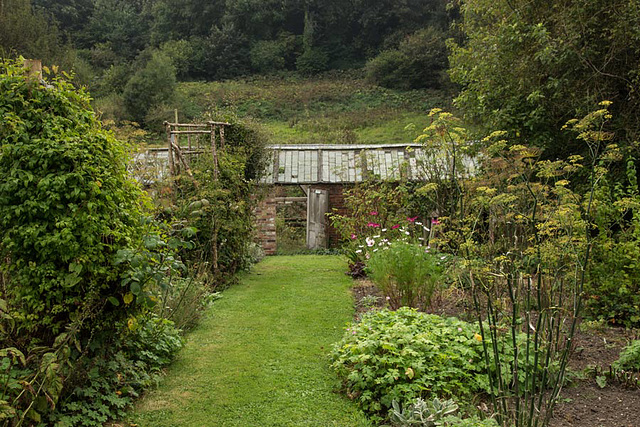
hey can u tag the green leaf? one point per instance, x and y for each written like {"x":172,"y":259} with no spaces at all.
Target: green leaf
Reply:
{"x":135,"y":288}
{"x":114,"y":301}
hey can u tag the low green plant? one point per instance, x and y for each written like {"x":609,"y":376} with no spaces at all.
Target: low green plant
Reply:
{"x":406,"y":273}
{"x":423,"y":413}
{"x":629,"y":357}
{"x":434,"y":413}
{"x":106,"y":385}
{"x":404,"y":354}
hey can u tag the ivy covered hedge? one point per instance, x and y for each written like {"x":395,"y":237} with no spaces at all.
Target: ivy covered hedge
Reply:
{"x":82,"y":262}
{"x":67,"y":206}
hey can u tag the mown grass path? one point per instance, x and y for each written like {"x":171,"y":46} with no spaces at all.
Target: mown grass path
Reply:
{"x":260,"y":356}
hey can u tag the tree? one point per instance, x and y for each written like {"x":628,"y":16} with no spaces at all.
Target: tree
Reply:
{"x":420,"y":61}
{"x":123,"y":24}
{"x":27,"y":32}
{"x":528,"y":67}
{"x":150,"y":86}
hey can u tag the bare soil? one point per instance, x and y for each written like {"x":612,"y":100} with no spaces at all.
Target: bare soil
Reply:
{"x":583,"y":402}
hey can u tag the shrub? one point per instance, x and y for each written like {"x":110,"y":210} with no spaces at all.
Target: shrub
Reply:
{"x":404,"y":354}
{"x":613,"y":289}
{"x":109,"y":383}
{"x":67,"y":205}
{"x":629,"y":357}
{"x":406,"y":273}
{"x":267,"y":56}
{"x":313,"y":60}
{"x":420,"y":61}
{"x":221,"y":208}
{"x":151,"y":86}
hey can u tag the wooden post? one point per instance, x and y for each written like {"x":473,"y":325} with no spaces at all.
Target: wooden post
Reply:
{"x":172,"y":168}
{"x":34,"y":68}
{"x":214,"y":150}
{"x":214,"y":248}
{"x":222,"y":137}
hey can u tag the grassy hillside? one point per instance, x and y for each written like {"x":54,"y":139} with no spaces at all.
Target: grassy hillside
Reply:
{"x":336,"y":108}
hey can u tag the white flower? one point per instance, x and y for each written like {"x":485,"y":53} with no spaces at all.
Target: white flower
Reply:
{"x":375,"y":250}
{"x":359,"y":251}
{"x":370,"y":241}
{"x":407,"y":233}
{"x":383,"y":230}
{"x":376,"y":237}
{"x":418,"y":223}
{"x":425,"y":228}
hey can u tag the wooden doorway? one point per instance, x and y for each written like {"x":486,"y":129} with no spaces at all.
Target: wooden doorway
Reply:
{"x":317,"y":208}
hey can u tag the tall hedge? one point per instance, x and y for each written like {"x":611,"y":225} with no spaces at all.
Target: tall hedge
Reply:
{"x":67,"y":206}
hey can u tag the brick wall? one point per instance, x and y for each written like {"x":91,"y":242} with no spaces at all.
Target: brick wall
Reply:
{"x":266,"y":224}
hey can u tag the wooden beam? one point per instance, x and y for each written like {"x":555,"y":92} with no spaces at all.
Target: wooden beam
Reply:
{"x":290,"y":199}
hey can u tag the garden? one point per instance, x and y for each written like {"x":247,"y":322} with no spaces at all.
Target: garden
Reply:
{"x":498,"y":293}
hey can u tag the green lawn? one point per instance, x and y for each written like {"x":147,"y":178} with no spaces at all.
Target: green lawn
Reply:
{"x":260,"y":356}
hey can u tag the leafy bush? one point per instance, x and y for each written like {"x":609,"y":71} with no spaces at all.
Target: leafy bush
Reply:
{"x":80,"y":261}
{"x":267,"y":56}
{"x":406,"y":273}
{"x":404,"y":354}
{"x":613,"y":289}
{"x":221,"y":208}
{"x":67,"y":205}
{"x":110,"y":382}
{"x":312,"y":61}
{"x":151,"y":86}
{"x":629,"y":357}
{"x":420,"y":61}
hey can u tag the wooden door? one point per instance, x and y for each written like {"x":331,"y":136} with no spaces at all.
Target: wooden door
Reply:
{"x":317,"y":208}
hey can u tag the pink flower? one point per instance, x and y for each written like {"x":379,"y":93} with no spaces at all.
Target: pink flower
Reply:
{"x":373,"y":213}
{"x":435,"y":221}
{"x":412,"y":219}
{"x":393,"y":227}
{"x":373,"y":224}
{"x":353,"y":236}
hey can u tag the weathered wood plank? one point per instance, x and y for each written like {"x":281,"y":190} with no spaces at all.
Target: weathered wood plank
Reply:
{"x":282,"y":160}
{"x":287,"y":166}
{"x":352,"y":166}
{"x":314,"y":166}
{"x":295,"y":159}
